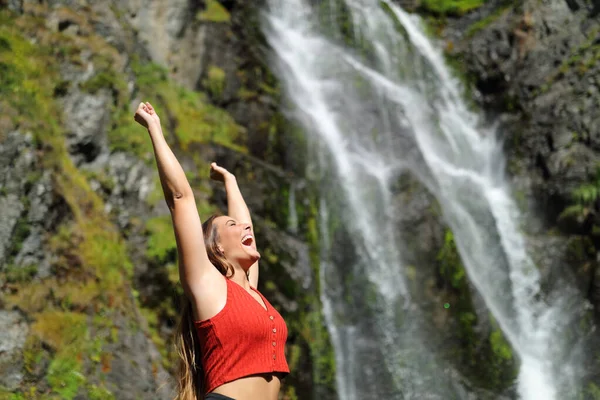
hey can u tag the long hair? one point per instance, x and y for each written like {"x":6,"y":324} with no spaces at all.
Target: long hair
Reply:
{"x":190,"y":380}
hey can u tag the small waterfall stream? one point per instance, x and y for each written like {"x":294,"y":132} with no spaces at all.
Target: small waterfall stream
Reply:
{"x":400,"y":109}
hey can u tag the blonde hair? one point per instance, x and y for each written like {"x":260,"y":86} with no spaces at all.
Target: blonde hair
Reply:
{"x":190,"y":373}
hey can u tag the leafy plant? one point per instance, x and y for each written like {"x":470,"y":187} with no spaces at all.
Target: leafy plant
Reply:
{"x":585,"y":199}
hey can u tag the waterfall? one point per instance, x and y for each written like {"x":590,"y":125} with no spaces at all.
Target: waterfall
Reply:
{"x":388,"y":107}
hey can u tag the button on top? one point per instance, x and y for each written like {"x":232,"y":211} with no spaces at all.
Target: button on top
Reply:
{"x":273,"y":356}
{"x":274,"y":330}
{"x":273,"y":343}
{"x":271,"y":317}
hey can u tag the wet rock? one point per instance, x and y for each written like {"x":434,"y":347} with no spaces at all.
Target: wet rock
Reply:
{"x":12,"y":340}
{"x":172,"y":35}
{"x":133,"y":374}
{"x":10,"y":211}
{"x":16,"y":165}
{"x":13,"y":5}
{"x":87,"y":117}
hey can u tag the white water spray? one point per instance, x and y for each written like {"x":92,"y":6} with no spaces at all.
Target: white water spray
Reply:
{"x":360,"y":111}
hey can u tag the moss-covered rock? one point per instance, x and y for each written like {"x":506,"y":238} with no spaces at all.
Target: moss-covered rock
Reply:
{"x":112,"y":275}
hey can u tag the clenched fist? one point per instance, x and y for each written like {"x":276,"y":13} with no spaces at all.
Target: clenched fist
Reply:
{"x":146,"y":116}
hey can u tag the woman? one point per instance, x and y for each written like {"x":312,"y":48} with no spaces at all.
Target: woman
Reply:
{"x":231,"y":340}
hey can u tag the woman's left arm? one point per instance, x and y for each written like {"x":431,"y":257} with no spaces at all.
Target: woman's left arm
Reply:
{"x":236,"y":208}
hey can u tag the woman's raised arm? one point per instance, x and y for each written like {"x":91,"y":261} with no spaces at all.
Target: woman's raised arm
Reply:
{"x":236,"y":208}
{"x":194,"y":265}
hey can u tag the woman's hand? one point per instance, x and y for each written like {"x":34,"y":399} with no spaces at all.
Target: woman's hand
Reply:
{"x":219,"y":173}
{"x":146,"y":116}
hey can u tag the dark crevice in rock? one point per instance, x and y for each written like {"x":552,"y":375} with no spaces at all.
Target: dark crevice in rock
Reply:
{"x":64,"y":24}
{"x":541,"y":164}
{"x":573,"y":5}
{"x":550,"y":142}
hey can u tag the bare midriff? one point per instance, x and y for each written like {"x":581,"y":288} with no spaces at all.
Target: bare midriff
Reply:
{"x":254,"y":387}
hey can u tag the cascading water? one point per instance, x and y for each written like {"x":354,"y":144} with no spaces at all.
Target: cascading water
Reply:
{"x":399,"y":109}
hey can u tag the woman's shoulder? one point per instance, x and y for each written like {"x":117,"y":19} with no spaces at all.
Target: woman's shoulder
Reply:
{"x":211,"y":299}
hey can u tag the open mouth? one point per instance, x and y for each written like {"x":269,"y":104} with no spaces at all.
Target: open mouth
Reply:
{"x":247,"y":240}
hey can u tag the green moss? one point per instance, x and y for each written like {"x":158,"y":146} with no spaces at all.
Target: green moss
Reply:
{"x":99,"y":393}
{"x":450,"y":263}
{"x":49,"y":327}
{"x":67,"y":334}
{"x":126,"y":135}
{"x":485,"y":22}
{"x":450,"y":7}
{"x":19,"y":274}
{"x":102,"y":80}
{"x":186,"y":114}
{"x":64,"y":377}
{"x":156,"y":194}
{"x":593,"y":391}
{"x":107,"y":183}
{"x":91,"y":258}
{"x":216,"y":81}
{"x":214,"y":12}
{"x":500,"y":346}
{"x":161,"y":241}
{"x":321,"y":351}
{"x":246,"y":94}
{"x":33,"y":353}
{"x":473,"y":349}
{"x":5,"y":394}
{"x":98,"y":244}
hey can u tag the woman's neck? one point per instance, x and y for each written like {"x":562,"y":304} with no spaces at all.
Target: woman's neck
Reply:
{"x":240,"y":277}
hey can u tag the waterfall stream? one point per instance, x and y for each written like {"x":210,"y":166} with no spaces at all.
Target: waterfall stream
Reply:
{"x":394,"y":106}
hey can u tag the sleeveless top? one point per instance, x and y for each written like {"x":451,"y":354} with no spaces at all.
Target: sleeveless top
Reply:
{"x":242,"y":339}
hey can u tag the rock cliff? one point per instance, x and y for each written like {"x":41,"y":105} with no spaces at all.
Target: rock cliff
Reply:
{"x":88,"y":278}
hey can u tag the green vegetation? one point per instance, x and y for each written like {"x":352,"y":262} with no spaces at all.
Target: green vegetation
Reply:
{"x":216,"y":81}
{"x":214,"y":12}
{"x":99,"y":393}
{"x":73,"y":313}
{"x":482,"y":23}
{"x":91,"y":260}
{"x":161,"y":242}
{"x":64,"y":377}
{"x":474,"y":350}
{"x":450,"y":263}
{"x":500,"y":347}
{"x":321,"y":350}
{"x":450,"y":7}
{"x":14,"y":274}
{"x":593,"y":392}
{"x":581,"y":60}
{"x":397,"y":24}
{"x":103,"y":80}
{"x":584,"y":199}
{"x":312,"y":325}
{"x":185,"y":113}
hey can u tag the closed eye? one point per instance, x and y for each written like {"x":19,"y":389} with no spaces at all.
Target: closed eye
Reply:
{"x":230,"y":222}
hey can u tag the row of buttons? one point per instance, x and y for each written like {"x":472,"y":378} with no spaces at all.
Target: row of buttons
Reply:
{"x":274,"y":331}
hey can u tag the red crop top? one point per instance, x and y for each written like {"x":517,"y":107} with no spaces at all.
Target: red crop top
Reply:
{"x":242,"y":339}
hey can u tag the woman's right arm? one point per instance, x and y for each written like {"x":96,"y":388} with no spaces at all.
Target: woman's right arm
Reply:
{"x":195,"y":269}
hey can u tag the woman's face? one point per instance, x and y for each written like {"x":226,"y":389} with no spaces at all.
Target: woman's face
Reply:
{"x":236,"y":241}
